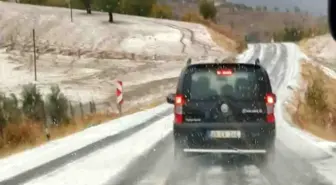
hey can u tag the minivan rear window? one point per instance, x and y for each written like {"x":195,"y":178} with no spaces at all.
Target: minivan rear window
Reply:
{"x":205,"y":84}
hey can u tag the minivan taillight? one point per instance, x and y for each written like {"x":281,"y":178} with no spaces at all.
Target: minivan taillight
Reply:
{"x":224,"y":72}
{"x":270,"y":100}
{"x":178,"y":109}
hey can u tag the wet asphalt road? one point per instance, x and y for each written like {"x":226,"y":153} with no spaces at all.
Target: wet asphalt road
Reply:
{"x":287,"y":168}
{"x":157,"y":167}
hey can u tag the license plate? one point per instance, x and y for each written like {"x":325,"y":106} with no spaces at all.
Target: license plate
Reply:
{"x":225,"y":134}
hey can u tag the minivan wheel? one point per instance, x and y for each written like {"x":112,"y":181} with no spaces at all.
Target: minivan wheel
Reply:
{"x":266,"y":158}
{"x":178,"y":150}
{"x":179,"y":154}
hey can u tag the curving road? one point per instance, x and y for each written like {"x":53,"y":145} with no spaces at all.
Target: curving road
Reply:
{"x":287,"y":168}
{"x":93,"y":164}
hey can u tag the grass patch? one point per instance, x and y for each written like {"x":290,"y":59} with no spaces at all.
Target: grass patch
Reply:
{"x":303,"y":44}
{"x":220,"y":34}
{"x":222,"y":40}
{"x":28,"y":134}
{"x":313,"y":107}
{"x":225,"y":37}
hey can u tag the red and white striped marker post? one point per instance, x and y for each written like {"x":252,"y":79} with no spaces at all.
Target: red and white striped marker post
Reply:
{"x":119,"y":94}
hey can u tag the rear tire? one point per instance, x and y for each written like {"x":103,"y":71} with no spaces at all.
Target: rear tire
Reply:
{"x":180,"y":142}
{"x":175,"y":176}
{"x":266,"y":158}
{"x":181,"y":169}
{"x":179,"y":154}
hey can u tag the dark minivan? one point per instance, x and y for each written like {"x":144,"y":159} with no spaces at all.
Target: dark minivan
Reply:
{"x":225,"y":108}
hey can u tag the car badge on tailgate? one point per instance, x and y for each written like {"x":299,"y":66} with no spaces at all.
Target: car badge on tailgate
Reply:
{"x":193,"y":119}
{"x":252,"y":111}
{"x":224,"y":108}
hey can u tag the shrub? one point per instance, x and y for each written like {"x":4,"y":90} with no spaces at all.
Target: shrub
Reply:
{"x":296,"y":33}
{"x":31,"y":130}
{"x":57,"y":106}
{"x":290,"y":34}
{"x":13,"y":130}
{"x":3,"y":121}
{"x":72,"y":110}
{"x":207,"y":9}
{"x":9,"y":112}
{"x":316,"y":95}
{"x":32,"y":103}
{"x":315,"y":109}
{"x":137,"y":7}
{"x":241,"y":46}
{"x":191,"y":17}
{"x":93,"y":107}
{"x":161,"y":11}
{"x":11,"y":109}
{"x":81,"y":110}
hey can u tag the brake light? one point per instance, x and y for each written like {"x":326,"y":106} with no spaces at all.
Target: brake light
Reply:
{"x":270,"y":100}
{"x":178,"y":109}
{"x":224,"y":72}
{"x":179,"y":100}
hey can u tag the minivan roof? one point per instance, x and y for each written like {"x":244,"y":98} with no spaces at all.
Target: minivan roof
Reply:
{"x":223,"y":64}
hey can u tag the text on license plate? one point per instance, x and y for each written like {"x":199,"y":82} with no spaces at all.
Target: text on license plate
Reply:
{"x":225,"y":134}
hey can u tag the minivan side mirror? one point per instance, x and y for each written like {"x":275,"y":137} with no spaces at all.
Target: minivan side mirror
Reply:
{"x":257,"y":61}
{"x":171,"y":98}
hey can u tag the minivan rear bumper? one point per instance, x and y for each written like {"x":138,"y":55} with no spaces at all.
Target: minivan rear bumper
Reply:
{"x":225,"y":151}
{"x":256,"y":136}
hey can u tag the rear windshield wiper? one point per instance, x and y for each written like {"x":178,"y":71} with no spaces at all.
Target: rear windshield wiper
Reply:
{"x":214,"y":97}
